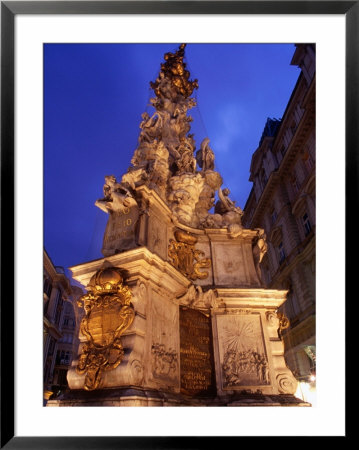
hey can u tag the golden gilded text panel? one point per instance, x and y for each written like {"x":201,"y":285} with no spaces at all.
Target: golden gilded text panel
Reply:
{"x":196,"y":353}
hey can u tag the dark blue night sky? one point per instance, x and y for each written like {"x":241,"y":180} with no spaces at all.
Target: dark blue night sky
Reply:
{"x":94,"y":95}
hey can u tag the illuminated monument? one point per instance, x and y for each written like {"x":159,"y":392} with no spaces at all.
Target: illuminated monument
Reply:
{"x":175,"y":312}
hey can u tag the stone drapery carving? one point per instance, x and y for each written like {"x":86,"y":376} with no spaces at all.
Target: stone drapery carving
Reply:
{"x":186,"y":258}
{"x":196,"y":298}
{"x":108,"y":314}
{"x":205,"y":156}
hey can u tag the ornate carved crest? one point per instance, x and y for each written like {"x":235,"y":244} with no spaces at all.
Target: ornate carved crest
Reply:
{"x":108,"y":314}
{"x":186,"y":258}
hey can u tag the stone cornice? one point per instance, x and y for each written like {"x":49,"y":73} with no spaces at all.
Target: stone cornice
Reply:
{"x":139,"y":263}
{"x":254,"y":298}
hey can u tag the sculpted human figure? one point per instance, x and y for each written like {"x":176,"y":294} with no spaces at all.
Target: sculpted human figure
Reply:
{"x":225,"y":204}
{"x":186,"y":162}
{"x":259,"y":250}
{"x":205,"y":156}
{"x":231,"y":214}
{"x":150,"y":127}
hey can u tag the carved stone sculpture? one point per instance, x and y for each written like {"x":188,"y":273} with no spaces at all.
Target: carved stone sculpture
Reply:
{"x":205,"y":156}
{"x":259,"y":250}
{"x":243,"y":356}
{"x":283,"y":323}
{"x":186,"y":258}
{"x":122,"y":208}
{"x":185,"y":190}
{"x":174,"y":70}
{"x":108,"y":314}
{"x":196,"y":298}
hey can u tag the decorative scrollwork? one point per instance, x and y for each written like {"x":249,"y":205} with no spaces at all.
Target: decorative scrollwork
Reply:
{"x":186,"y":258}
{"x":272,"y":319}
{"x":286,"y":383}
{"x":283,"y":323}
{"x":108,"y":314}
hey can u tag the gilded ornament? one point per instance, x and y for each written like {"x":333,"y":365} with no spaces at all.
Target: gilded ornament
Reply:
{"x":283,"y":321}
{"x":108,"y":314}
{"x":174,"y":69}
{"x":186,"y":258}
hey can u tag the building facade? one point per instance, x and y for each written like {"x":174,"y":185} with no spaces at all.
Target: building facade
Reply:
{"x":282,"y":202}
{"x":60,"y":326}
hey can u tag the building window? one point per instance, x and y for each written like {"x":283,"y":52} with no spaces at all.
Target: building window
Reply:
{"x":47,"y":371}
{"x":281,"y":252}
{"x":58,"y":310}
{"x":67,"y":338}
{"x":63,"y":357}
{"x":68,"y":322}
{"x":306,"y":223}
{"x":308,"y":160}
{"x":47,"y":287}
{"x":293,"y":127}
{"x":51,"y":346}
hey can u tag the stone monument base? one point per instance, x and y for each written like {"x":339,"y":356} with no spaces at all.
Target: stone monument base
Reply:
{"x":145,"y":397}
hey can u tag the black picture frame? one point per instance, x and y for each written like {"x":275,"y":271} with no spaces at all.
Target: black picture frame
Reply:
{"x":9,"y":9}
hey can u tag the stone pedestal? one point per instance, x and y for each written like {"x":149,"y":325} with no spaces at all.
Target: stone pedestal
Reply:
{"x":212,"y":341}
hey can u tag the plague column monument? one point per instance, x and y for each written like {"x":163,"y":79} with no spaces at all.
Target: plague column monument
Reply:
{"x":176,"y":313}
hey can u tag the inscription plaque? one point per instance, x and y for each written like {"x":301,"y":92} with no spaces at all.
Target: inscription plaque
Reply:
{"x":120,"y":230}
{"x":196,"y":353}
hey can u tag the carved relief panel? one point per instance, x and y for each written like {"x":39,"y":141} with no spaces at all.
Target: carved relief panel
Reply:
{"x":242,"y":353}
{"x":165,"y":342}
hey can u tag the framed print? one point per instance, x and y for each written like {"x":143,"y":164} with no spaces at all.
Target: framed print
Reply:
{"x":243,"y":359}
